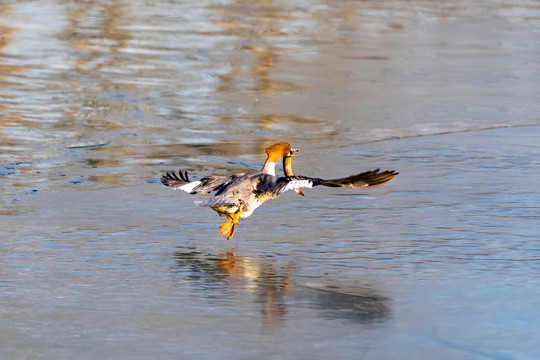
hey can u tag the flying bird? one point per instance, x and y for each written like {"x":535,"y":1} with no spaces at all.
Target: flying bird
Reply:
{"x":238,"y":195}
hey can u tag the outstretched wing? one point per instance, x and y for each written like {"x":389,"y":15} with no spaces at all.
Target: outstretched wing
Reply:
{"x":204,"y":186}
{"x":370,"y":178}
{"x":295,"y":183}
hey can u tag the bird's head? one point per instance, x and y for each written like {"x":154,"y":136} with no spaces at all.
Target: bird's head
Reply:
{"x":276,"y":151}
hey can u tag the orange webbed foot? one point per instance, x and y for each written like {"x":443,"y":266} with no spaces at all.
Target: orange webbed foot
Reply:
{"x":227,"y":229}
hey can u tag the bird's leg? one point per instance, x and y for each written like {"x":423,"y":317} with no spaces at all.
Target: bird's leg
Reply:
{"x":236,"y":216}
{"x":234,"y":220}
{"x":227,"y":228}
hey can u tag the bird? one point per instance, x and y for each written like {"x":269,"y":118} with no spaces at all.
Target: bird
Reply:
{"x":238,"y":195}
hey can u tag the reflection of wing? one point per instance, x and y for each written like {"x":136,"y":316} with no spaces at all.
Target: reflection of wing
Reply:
{"x":366,"y":179}
{"x":358,"y":304}
{"x":204,"y":186}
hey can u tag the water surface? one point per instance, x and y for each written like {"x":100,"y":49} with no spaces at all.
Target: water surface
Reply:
{"x":98,"y":99}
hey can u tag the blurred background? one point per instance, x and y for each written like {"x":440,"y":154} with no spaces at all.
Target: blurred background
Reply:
{"x":99,"y":98}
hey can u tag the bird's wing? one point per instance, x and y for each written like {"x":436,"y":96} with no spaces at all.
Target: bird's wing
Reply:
{"x":295,"y":182}
{"x":204,"y":186}
{"x":370,"y":178}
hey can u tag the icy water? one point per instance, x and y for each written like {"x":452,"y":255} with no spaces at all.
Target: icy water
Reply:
{"x":99,"y":261}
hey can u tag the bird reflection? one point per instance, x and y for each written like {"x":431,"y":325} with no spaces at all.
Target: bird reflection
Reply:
{"x":273,"y":288}
{"x":361,"y":305}
{"x":269,"y":284}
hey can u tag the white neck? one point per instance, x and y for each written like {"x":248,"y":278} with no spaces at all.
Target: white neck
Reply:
{"x":269,"y":168}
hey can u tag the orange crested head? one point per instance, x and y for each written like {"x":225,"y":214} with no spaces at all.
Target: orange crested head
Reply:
{"x":276,"y":151}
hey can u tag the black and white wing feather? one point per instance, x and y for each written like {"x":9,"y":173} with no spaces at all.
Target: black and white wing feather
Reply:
{"x":204,"y":186}
{"x":370,"y":178}
{"x":296,"y":182}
